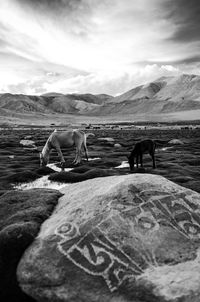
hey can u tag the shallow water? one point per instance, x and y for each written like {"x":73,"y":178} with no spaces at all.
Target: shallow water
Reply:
{"x":42,"y":182}
{"x":124,"y":164}
{"x":57,"y":169}
{"x":166,"y":148}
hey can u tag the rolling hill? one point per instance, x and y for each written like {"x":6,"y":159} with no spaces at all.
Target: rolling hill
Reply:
{"x":166,"y":95}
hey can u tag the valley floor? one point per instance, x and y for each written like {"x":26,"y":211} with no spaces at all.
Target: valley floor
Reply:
{"x":177,"y":162}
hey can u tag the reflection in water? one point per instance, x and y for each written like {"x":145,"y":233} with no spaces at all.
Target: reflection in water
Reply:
{"x":42,"y":182}
{"x":166,"y":148}
{"x":124,"y":164}
{"x":58,"y":169}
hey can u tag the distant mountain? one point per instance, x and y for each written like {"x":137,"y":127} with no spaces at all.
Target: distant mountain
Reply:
{"x":165,"y":88}
{"x":52,"y":103}
{"x":165,"y":95}
{"x":22,"y":103}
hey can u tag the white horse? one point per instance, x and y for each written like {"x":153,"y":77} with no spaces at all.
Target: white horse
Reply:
{"x":66,"y":139}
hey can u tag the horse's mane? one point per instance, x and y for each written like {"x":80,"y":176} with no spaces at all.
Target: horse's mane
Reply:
{"x":46,"y":149}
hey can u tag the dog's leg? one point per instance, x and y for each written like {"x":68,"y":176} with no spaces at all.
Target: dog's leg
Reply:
{"x":137,"y":160}
{"x":141,"y":161}
{"x":153,"y":159}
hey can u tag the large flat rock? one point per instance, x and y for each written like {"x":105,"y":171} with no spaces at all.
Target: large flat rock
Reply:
{"x":119,"y":238}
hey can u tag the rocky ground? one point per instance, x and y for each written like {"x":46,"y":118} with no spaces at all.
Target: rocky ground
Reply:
{"x":128,"y":238}
{"x":179,"y":161}
{"x":23,"y":212}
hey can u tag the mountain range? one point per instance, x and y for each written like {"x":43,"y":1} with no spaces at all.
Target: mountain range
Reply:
{"x":166,"y":95}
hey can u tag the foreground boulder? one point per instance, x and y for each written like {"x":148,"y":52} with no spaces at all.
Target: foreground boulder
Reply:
{"x":115,"y":239}
{"x":21,"y":214}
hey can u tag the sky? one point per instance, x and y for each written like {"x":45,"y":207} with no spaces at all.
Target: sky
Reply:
{"x":95,"y":46}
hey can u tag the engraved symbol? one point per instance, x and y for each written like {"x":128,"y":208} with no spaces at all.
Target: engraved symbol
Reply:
{"x":96,"y":254}
{"x":67,"y":231}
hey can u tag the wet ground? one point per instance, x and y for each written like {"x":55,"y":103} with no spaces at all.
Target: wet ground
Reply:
{"x":108,"y":150}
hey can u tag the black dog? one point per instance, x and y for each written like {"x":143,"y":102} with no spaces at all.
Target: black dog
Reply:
{"x":146,"y":145}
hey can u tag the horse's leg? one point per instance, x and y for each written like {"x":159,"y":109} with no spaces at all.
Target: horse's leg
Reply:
{"x":62,"y":160}
{"x":76,"y":155}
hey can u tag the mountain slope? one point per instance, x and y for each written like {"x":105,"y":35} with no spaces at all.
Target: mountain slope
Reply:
{"x":51,"y":103}
{"x":185,"y":86}
{"x":165,"y":95}
{"x":144,"y":91}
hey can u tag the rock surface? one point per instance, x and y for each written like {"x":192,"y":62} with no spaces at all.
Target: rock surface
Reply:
{"x":27,"y":142}
{"x":175,"y":142}
{"x":115,"y":239}
{"x":21,"y":214}
{"x":117,"y":145}
{"x":106,"y":139}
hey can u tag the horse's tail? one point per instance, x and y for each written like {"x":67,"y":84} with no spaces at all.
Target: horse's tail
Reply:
{"x":84,"y":143}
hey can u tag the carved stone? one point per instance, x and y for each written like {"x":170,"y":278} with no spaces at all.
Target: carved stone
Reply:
{"x":120,"y":238}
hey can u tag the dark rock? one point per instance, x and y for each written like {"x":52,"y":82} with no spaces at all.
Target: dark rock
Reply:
{"x":81,"y":169}
{"x":105,"y":163}
{"x":21,"y":214}
{"x":44,"y":171}
{"x":139,"y":170}
{"x":20,"y":177}
{"x":71,"y":177}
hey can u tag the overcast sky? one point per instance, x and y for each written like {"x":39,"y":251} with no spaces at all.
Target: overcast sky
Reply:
{"x":95,"y":46}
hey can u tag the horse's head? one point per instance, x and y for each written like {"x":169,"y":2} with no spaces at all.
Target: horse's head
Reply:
{"x":43,"y":160}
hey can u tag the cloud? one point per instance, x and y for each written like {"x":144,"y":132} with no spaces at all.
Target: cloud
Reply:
{"x":21,"y":75}
{"x":45,"y":80}
{"x":185,"y":15}
{"x":185,"y":60}
{"x":112,"y":83}
{"x":71,"y":5}
{"x":95,"y":46}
